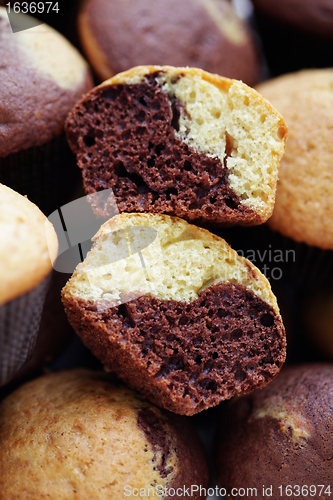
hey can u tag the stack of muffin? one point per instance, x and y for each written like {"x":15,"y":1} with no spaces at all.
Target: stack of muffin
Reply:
{"x":180,"y":320}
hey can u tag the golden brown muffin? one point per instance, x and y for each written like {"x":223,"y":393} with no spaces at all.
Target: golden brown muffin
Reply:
{"x":28,"y":246}
{"x":303,"y":207}
{"x":278,"y":442}
{"x":185,"y":320}
{"x":25,"y":256}
{"x":180,"y":141}
{"x":207,"y":34}
{"x":76,"y":435}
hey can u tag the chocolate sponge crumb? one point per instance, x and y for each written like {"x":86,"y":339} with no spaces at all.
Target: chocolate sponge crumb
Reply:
{"x":124,"y":139}
{"x":184,"y":356}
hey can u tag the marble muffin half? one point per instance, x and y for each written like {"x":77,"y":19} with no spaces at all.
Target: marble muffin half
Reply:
{"x":81,"y":435}
{"x":180,"y":141}
{"x":186,"y":321}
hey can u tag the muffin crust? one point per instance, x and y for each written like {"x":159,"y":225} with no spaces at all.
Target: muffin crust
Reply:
{"x":42,"y":76}
{"x":281,"y":435}
{"x":304,"y":193}
{"x":76,"y":435}
{"x":203,"y":33}
{"x":28,"y":245}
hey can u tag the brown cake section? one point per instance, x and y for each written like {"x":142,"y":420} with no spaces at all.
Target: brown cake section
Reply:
{"x":172,"y":433}
{"x":186,"y":356}
{"x":123,"y":136}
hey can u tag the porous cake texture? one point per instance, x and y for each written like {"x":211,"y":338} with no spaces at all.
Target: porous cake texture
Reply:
{"x":185,"y":320}
{"x":182,"y":142}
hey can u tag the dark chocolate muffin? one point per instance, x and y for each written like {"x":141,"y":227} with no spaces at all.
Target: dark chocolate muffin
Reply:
{"x":182,"y":142}
{"x":207,"y":34}
{"x":280,"y":437}
{"x":76,"y":434}
{"x":183,"y":318}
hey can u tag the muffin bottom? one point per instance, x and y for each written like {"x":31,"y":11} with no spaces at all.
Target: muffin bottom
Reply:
{"x":19,"y":324}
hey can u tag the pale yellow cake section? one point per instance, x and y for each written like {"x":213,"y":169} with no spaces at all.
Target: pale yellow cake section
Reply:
{"x":225,"y":18}
{"x":176,"y":262}
{"x":28,"y":245}
{"x":228,"y":120}
{"x":289,"y":417}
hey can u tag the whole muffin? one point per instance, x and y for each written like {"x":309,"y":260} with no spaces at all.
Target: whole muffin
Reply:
{"x":206,"y":34}
{"x":28,"y":245}
{"x":182,"y":318}
{"x":303,"y":205}
{"x":42,"y":77}
{"x":180,"y":141}
{"x":76,"y":434}
{"x":280,"y":437}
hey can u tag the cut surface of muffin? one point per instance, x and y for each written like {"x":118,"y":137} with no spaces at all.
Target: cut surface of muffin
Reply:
{"x":180,"y":141}
{"x":78,"y":434}
{"x":185,"y":320}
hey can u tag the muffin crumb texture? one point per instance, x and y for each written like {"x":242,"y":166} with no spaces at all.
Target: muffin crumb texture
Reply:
{"x":196,"y":325}
{"x":181,"y":142}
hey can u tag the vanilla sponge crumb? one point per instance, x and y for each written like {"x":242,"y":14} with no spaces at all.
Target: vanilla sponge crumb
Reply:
{"x":180,"y":262}
{"x":225,"y":119}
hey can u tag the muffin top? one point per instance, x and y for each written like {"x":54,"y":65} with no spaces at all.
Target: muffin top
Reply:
{"x":281,"y":435}
{"x":76,"y":434}
{"x":28,"y":244}
{"x":207,"y":34}
{"x":42,"y":76}
{"x":303,"y":205}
